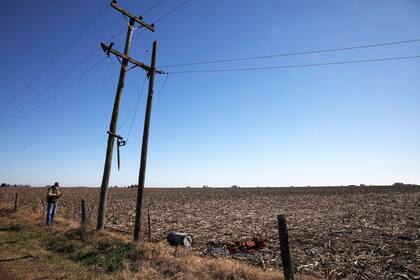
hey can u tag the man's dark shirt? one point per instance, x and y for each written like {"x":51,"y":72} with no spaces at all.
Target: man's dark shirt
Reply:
{"x":53,"y":194}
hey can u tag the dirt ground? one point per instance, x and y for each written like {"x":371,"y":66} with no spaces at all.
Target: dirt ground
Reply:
{"x":335,"y":233}
{"x":31,"y":250}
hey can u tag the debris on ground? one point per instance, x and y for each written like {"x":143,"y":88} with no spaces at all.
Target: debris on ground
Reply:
{"x":252,"y":250}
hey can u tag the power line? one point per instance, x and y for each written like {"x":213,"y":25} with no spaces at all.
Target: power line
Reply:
{"x":37,"y":75}
{"x":139,"y":94}
{"x":164,"y":16}
{"x":50,"y":97}
{"x":291,"y":53}
{"x":297,"y":65}
{"x":172,"y":10}
{"x":83,"y":60}
{"x":49,"y":87}
{"x":161,"y":89}
{"x":163,"y":85}
{"x":74,"y":68}
{"x":151,"y":8}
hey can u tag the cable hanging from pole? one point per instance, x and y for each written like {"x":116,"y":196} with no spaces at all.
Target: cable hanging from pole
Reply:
{"x":161,"y":88}
{"x":139,"y":95}
{"x":291,"y":53}
{"x":81,"y":62}
{"x":43,"y":69}
{"x":52,"y":96}
{"x":297,"y":65}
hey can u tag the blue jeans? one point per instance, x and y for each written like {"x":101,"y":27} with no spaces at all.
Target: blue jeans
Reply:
{"x":52,"y":207}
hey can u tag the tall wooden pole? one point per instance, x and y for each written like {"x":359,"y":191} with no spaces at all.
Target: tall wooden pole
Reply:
{"x":286,"y":257}
{"x":112,"y":129}
{"x":144,"y":145}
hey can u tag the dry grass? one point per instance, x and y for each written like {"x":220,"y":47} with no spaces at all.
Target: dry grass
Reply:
{"x":151,"y":261}
{"x":347,"y":232}
{"x":179,"y":263}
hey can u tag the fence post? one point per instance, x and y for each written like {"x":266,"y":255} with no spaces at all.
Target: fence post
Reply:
{"x":83,"y":212}
{"x":286,"y":258}
{"x":150,"y":227}
{"x":83,"y":220}
{"x":16,"y":202}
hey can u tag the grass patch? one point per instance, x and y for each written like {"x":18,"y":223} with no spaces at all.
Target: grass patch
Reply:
{"x":62,"y":246}
{"x":12,"y":227}
{"x":61,"y":254}
{"x":109,"y":255}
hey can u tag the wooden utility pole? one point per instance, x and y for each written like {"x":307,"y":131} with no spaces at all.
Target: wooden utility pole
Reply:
{"x":143,"y":160}
{"x":286,"y":257}
{"x":114,"y":119}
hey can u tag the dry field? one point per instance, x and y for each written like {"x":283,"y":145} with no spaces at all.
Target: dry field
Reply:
{"x":336,"y":233}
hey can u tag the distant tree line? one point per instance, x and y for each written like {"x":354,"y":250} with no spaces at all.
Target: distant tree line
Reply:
{"x":398,"y":184}
{"x":5,"y":185}
{"x":130,"y":186}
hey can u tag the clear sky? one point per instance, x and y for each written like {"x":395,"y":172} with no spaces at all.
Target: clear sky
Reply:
{"x":327,"y":125}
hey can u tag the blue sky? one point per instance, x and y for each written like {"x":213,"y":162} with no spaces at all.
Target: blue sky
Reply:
{"x":328,"y":125}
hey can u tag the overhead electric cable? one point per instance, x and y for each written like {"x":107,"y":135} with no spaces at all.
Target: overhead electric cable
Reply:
{"x":74,"y":68}
{"x":151,"y":8}
{"x":139,"y":94}
{"x":78,"y":65}
{"x":291,"y":53}
{"x":90,"y":55}
{"x":296,"y":66}
{"x":164,"y":16}
{"x":172,"y":10}
{"x":161,"y":88}
{"x":39,"y":73}
{"x":42,"y":93}
{"x":50,"y":97}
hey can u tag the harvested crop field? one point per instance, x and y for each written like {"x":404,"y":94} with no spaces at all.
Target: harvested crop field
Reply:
{"x":335,"y":232}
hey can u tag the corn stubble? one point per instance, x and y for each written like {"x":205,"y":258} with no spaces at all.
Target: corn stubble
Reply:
{"x":348,"y":232}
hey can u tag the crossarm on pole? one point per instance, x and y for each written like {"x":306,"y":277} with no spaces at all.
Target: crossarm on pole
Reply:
{"x":107,"y":49}
{"x":139,"y":20}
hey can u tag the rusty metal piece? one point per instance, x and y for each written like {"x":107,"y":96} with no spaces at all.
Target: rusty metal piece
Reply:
{"x":249,"y":250}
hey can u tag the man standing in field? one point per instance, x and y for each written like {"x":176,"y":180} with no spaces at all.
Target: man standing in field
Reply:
{"x":52,"y":198}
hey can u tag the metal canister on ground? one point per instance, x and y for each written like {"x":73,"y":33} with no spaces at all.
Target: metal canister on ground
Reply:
{"x":178,"y":238}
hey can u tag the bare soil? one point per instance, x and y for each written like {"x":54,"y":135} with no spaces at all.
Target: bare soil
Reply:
{"x":335,"y":232}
